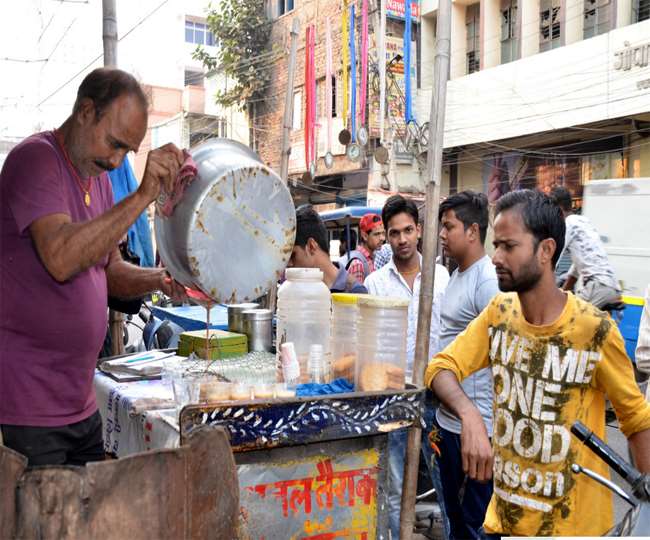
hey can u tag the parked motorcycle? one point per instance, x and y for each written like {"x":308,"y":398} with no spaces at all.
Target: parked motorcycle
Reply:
{"x":157,"y":333}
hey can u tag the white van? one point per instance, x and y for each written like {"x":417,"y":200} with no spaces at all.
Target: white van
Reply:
{"x":620,"y":211}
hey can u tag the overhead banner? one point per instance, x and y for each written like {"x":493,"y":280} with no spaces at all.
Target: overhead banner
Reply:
{"x":396,"y":9}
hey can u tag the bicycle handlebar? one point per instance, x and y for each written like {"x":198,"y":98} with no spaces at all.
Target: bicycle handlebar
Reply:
{"x":606,"y":453}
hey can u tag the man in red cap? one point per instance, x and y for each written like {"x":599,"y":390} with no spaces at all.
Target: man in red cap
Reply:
{"x":359,"y":263}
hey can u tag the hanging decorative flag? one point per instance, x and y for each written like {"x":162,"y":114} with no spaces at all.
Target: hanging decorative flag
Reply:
{"x":312,"y":61}
{"x":362,"y":133}
{"x":353,"y":150}
{"x":345,"y":26}
{"x":382,"y":69}
{"x":408,"y":112}
{"x":381,"y":153}
{"x":307,"y":98}
{"x":353,"y":74}
{"x":310,"y":99}
{"x":329,"y":159}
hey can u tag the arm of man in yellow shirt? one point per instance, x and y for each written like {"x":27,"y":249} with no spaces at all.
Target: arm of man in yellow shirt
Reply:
{"x":640,"y":448}
{"x":465,"y":355}
{"x":615,"y":377}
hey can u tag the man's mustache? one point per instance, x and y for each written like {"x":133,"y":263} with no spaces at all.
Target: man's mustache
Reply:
{"x":103,"y":165}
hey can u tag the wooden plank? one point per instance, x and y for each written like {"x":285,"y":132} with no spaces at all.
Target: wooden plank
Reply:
{"x":187,"y":493}
{"x":214,"y":504}
{"x":12,"y":466}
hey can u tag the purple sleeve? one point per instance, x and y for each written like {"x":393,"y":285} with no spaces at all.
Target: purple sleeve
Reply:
{"x":33,"y":185}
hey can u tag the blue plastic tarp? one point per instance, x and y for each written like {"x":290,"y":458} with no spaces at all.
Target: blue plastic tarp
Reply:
{"x":139,"y":235}
{"x":194,"y":317}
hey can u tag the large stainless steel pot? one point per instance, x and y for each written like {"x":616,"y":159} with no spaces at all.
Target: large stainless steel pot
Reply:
{"x":232,"y":233}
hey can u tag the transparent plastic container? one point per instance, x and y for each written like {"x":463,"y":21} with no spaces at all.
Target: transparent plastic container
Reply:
{"x":211,"y":390}
{"x":345,"y":313}
{"x":317,"y":368}
{"x":240,"y":391}
{"x":282,"y":391}
{"x":304,"y":316}
{"x":381,"y":333}
{"x":264,"y":391}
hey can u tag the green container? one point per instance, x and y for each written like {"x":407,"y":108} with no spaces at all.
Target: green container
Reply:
{"x":222,"y":344}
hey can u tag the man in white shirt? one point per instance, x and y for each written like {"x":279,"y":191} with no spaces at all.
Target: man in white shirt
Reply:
{"x":401,"y":278}
{"x":591,"y":272}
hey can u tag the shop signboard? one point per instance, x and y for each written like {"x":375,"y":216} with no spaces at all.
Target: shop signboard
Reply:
{"x":397,"y":8}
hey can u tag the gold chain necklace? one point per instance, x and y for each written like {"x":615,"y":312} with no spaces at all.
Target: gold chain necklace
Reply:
{"x":86,"y":190}
{"x":410,"y":272}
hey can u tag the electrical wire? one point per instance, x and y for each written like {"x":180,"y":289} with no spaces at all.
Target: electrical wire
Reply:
{"x":259,"y":59}
{"x":62,"y":86}
{"x":56,"y":46}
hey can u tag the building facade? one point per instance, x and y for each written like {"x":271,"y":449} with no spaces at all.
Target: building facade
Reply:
{"x":541,"y":92}
{"x":347,"y":181}
{"x":544,"y":92}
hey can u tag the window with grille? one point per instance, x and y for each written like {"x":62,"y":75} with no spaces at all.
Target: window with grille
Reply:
{"x":509,"y":40}
{"x":549,"y":25}
{"x":598,"y":17}
{"x":641,"y":10}
{"x":472,"y":23}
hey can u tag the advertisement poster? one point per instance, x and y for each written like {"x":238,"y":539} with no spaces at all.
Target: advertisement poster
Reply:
{"x":319,"y":497}
{"x":394,"y":87}
{"x":396,"y":9}
{"x":510,"y":171}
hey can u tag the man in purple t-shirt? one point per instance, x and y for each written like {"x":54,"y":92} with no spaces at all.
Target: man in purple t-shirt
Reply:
{"x":59,"y":259}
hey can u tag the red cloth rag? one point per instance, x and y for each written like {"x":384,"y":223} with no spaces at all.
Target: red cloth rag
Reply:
{"x":188,"y":171}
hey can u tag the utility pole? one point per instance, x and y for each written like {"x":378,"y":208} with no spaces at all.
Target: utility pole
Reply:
{"x":288,"y":102}
{"x":430,"y":248}
{"x":287,"y":124}
{"x":109,"y":38}
{"x":109,"y":32}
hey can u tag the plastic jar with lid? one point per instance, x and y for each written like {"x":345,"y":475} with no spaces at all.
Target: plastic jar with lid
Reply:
{"x":304,"y":315}
{"x":345,"y":313}
{"x":381,"y":343}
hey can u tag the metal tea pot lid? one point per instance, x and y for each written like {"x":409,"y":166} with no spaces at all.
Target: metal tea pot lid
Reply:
{"x":353,"y":152}
{"x":362,"y":135}
{"x":329,"y":160}
{"x":381,"y":155}
{"x":232,"y":233}
{"x":345,"y":137}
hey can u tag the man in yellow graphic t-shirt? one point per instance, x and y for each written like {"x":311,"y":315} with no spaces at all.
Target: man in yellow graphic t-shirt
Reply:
{"x":554,"y":360}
